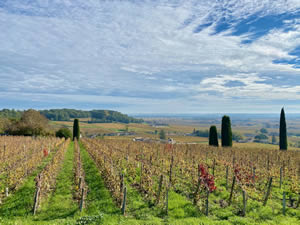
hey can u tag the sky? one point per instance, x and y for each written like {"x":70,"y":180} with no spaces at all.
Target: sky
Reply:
{"x":151,"y":56}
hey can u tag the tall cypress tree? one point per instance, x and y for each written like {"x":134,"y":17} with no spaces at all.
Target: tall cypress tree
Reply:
{"x":282,"y":132}
{"x":226,"y":132}
{"x":76,"y":130}
{"x":213,"y":136}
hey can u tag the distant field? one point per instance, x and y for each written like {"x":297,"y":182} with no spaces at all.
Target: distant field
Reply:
{"x":177,"y":129}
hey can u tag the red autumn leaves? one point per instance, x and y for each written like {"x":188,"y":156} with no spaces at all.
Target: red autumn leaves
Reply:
{"x":243,"y":175}
{"x":207,"y":179}
{"x":45,"y":151}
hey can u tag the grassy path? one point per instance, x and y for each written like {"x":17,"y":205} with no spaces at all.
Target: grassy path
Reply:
{"x":60,"y":204}
{"x":99,"y":200}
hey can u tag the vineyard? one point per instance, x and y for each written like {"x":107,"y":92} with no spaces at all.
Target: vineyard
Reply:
{"x":95,"y":181}
{"x":19,"y":157}
{"x":212,"y":178}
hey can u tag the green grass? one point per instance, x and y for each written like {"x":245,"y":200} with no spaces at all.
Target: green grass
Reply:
{"x":60,"y":204}
{"x":98,"y":196}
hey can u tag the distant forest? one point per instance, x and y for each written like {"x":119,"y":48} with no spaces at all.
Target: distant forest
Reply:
{"x":97,"y":116}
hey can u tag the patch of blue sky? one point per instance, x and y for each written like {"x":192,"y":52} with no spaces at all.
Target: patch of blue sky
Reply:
{"x":201,"y":27}
{"x":223,"y":25}
{"x":295,"y":61}
{"x":234,"y":83}
{"x":258,"y":26}
{"x":295,"y":52}
{"x":255,"y":25}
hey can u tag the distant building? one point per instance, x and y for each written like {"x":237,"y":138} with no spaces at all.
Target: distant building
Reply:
{"x":171,"y":141}
{"x":138,"y":139}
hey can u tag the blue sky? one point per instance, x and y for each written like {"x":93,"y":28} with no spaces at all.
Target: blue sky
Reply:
{"x":151,"y":56}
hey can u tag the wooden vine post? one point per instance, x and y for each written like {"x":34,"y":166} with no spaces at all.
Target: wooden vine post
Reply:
{"x":37,"y":194}
{"x":206,"y":202}
{"x":231,"y":191}
{"x":226,"y":177}
{"x":167,"y":202}
{"x":159,"y":189}
{"x":268,"y":191}
{"x":124,"y":201}
{"x":244,"y":203}
{"x":121,"y":182}
{"x":197,"y":189}
{"x":82,"y":200}
{"x":36,"y":200}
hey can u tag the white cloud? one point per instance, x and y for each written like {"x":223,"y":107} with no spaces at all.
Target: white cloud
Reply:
{"x":138,"y":48}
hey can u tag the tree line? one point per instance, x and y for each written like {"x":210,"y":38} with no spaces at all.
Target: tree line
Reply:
{"x":97,"y":116}
{"x":34,"y":123}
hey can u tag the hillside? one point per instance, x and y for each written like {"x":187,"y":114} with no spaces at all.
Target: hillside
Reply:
{"x":97,"y":116}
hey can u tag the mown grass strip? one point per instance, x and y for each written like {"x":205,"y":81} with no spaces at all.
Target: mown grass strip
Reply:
{"x":98,"y":197}
{"x":60,"y":204}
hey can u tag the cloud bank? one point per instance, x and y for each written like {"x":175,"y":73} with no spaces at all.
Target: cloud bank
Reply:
{"x":151,"y":56}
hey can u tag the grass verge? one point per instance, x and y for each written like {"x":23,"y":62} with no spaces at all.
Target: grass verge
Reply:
{"x":60,"y":205}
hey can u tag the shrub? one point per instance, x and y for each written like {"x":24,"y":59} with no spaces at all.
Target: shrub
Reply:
{"x":261,"y":137}
{"x":63,"y":133}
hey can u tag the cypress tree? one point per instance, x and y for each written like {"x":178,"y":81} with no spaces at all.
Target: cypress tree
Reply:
{"x":162,"y":135}
{"x":76,"y":130}
{"x":282,"y":132}
{"x":213,"y":136}
{"x":226,"y":132}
